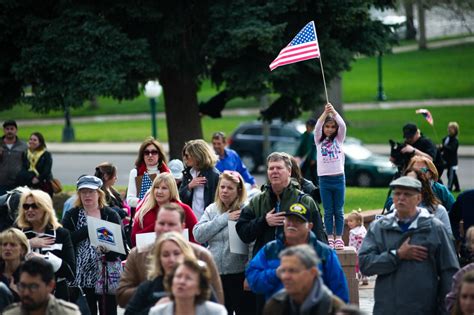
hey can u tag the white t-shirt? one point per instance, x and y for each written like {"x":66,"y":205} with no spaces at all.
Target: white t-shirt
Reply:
{"x":198,"y":197}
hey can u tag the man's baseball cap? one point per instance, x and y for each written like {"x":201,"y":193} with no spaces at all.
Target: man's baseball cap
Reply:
{"x":409,"y":130}
{"x":406,"y":182}
{"x":10,"y":122}
{"x":300,"y":211}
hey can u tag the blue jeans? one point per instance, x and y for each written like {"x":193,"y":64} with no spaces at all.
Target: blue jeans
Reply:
{"x":333,"y":191}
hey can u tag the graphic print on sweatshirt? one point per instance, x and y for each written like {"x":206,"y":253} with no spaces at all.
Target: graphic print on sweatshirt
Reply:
{"x":330,"y":150}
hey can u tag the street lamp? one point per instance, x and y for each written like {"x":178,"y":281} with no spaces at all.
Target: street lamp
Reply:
{"x":393,"y":21}
{"x":68,"y":130}
{"x":153,"y":90}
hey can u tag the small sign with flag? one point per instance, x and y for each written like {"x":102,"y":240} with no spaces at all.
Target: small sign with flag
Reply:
{"x":426,"y":113}
{"x":303,"y":47}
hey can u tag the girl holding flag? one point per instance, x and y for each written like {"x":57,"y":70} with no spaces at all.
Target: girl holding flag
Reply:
{"x":330,"y":133}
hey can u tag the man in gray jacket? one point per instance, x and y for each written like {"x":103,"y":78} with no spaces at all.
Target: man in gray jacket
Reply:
{"x":411,"y":254}
{"x":12,"y":150}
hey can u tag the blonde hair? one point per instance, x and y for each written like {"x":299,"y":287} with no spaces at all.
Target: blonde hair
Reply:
{"x":150,"y":201}
{"x":155,"y":269}
{"x":102,"y":200}
{"x":356,"y":214}
{"x":453,"y":124}
{"x":428,"y":162}
{"x":201,"y":152}
{"x":469,"y":233}
{"x":44,"y":202}
{"x":237,"y":179}
{"x":14,"y":235}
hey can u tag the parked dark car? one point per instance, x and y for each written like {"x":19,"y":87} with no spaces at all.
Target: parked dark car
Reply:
{"x":362,"y":167}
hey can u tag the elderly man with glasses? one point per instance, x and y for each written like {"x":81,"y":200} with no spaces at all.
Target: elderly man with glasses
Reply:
{"x":412,"y":255}
{"x":304,"y":291}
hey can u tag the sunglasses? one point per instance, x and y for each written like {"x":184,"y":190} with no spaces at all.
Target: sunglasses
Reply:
{"x":27,"y":206}
{"x":152,"y":152}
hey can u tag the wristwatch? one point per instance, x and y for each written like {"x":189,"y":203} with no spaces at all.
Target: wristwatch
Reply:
{"x":394,"y":252}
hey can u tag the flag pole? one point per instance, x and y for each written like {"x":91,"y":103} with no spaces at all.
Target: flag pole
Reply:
{"x":321,"y":63}
{"x":436,"y":134}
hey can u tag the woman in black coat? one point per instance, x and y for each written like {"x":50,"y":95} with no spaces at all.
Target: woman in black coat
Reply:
{"x":37,"y":165}
{"x":200,"y":178}
{"x":449,"y":151}
{"x":48,"y":239}
{"x":91,"y":203}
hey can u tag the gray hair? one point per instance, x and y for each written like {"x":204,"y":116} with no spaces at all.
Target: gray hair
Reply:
{"x":305,"y":253}
{"x":280,"y":156}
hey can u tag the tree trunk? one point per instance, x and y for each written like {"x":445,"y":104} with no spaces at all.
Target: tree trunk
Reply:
{"x":181,"y":107}
{"x":410,"y":32}
{"x":421,"y":25}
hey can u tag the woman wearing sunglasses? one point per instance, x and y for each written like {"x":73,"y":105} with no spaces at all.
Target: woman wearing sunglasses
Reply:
{"x":151,"y":161}
{"x":47,"y":238}
{"x":427,"y":167}
{"x":200,"y":176}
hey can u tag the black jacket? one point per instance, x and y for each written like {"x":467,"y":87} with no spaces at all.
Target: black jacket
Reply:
{"x":44,"y":166}
{"x":450,"y":151}
{"x":70,"y":222}
{"x":186,"y":195}
{"x":146,"y":296}
{"x":62,"y":237}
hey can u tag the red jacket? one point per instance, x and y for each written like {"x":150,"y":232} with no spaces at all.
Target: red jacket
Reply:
{"x":150,"y":218}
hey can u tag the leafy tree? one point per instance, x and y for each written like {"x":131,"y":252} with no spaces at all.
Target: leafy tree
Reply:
{"x":230,"y":42}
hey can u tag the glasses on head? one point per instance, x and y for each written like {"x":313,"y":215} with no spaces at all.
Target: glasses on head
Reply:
{"x":23,"y":286}
{"x":150,"y":152}
{"x":424,"y":169}
{"x":27,"y":206}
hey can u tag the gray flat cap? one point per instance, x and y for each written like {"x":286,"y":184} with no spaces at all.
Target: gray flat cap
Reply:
{"x":90,"y":182}
{"x":406,"y":182}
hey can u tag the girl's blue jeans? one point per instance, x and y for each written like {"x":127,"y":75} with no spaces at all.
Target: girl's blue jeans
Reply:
{"x":333,"y":191}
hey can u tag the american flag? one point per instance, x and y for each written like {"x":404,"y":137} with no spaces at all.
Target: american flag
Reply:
{"x":303,"y":47}
{"x":426,"y":113}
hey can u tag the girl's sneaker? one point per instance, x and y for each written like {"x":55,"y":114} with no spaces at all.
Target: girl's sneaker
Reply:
{"x":331,"y":243}
{"x":338,"y":244}
{"x":365,"y":280}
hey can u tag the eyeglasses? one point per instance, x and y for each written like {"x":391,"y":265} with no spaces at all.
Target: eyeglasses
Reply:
{"x":152,"y":152}
{"x":404,"y":193}
{"x":32,"y":286}
{"x":292,"y":271}
{"x":27,"y":206}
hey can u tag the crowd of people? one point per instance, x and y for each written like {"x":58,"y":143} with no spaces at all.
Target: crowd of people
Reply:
{"x":216,"y":248}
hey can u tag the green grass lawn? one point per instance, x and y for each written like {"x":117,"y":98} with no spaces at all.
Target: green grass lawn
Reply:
{"x":438,"y":73}
{"x":371,"y":126}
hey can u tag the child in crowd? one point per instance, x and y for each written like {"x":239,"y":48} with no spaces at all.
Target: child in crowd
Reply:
{"x":330,"y":133}
{"x":449,"y":150}
{"x":357,"y":232}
